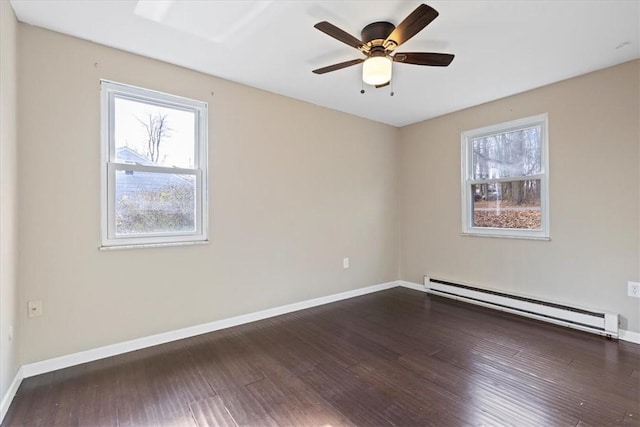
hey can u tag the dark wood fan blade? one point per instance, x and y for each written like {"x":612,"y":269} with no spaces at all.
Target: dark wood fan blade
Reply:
{"x":339,"y":34}
{"x":412,"y":25}
{"x":383,"y":84}
{"x":424,"y":58}
{"x":339,"y":66}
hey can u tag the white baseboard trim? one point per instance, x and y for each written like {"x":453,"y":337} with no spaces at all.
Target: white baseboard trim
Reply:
{"x":630,"y":336}
{"x":411,"y":285}
{"x":44,"y":366}
{"x":41,"y":367}
{"x":11,"y":392}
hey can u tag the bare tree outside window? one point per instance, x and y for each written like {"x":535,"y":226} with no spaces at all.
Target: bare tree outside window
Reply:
{"x":164,"y":136}
{"x":157,"y":128}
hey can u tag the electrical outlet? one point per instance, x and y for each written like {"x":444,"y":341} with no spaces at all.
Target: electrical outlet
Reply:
{"x":345,"y":262}
{"x":35,"y":308}
{"x":633,"y":289}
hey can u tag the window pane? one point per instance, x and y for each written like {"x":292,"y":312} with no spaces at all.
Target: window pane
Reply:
{"x":150,"y":202}
{"x":148,"y":134}
{"x":509,"y":154}
{"x":514,"y":204}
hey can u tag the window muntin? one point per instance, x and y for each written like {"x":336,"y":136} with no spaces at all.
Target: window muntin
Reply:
{"x":154,"y":167}
{"x":505,"y":179}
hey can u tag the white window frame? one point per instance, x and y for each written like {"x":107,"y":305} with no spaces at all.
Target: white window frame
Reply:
{"x":109,"y":165}
{"x":468,"y":229}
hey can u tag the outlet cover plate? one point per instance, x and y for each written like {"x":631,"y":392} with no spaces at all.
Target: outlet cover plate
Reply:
{"x":633,"y":289}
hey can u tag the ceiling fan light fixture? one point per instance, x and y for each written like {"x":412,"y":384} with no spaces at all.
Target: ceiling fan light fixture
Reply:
{"x":379,"y":42}
{"x":376,"y":70}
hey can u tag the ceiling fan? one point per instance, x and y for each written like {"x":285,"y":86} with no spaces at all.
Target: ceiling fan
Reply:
{"x":379,"y":41}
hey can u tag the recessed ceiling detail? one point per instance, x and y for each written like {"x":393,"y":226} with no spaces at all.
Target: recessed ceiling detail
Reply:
{"x":216,"y":21}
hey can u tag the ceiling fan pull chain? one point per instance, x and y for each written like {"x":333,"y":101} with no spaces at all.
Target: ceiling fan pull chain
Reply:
{"x":392,"y":92}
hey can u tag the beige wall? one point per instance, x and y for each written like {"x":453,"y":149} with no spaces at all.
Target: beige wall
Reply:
{"x":9,"y":362}
{"x":294,"y":189}
{"x":594,"y":197}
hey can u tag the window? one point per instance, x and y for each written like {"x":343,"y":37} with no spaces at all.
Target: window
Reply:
{"x":505,"y":179}
{"x":154,"y":167}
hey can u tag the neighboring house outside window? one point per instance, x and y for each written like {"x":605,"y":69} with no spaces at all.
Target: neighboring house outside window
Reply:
{"x":154,"y":150}
{"x":505,"y":175}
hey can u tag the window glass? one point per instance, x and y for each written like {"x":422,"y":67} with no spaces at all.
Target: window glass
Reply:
{"x":154,"y":149}
{"x":508,"y":154}
{"x":153,"y":134}
{"x":505,"y":179}
{"x":150,"y":202}
{"x":513,"y":204}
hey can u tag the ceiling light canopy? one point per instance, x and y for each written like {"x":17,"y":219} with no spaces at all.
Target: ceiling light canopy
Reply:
{"x":376,"y":70}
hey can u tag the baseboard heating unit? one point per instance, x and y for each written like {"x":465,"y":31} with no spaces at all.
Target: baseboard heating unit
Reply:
{"x":579,"y":318}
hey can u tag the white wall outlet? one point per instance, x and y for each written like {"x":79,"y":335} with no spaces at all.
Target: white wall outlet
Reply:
{"x":633,"y":289}
{"x":35,"y":308}
{"x":10,"y":334}
{"x":345,"y":262}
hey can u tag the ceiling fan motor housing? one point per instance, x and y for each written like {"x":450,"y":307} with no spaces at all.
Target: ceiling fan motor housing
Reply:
{"x":377,"y":32}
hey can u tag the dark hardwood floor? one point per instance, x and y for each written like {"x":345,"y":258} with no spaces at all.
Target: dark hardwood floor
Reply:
{"x":397,"y":357}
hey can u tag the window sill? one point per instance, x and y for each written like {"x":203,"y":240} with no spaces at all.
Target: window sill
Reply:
{"x":152,"y":245}
{"x":503,"y":236}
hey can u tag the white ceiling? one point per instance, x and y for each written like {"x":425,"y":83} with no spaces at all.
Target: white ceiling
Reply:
{"x":501,"y":47}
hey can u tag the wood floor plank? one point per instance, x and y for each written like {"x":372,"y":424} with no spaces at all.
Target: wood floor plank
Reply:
{"x":68,"y":396}
{"x":151,"y":385}
{"x":244,"y":408}
{"x":211,"y":412}
{"x":32,"y":402}
{"x":351,"y":397}
{"x":177,"y":372}
{"x":292,"y":406}
{"x":436,"y":406}
{"x":287,"y":399}
{"x":99,"y":385}
{"x":396,"y":357}
{"x":608,"y":388}
{"x":631,"y":419}
{"x":541,"y":395}
{"x":479,"y":394}
{"x":291,"y":351}
{"x":136,"y":404}
{"x":223,"y":362}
